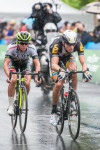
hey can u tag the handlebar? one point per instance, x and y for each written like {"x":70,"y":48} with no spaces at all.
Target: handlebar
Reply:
{"x":23,"y":73}
{"x":69,"y":73}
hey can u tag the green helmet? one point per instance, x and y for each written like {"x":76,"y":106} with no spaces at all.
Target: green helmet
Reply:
{"x":23,"y":37}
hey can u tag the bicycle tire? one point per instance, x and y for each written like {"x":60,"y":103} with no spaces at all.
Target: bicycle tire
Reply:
{"x":60,"y":114}
{"x":14,"y":117}
{"x":73,"y":114}
{"x":23,"y":109}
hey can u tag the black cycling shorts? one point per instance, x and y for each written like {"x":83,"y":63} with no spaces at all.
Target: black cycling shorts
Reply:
{"x":20,"y":66}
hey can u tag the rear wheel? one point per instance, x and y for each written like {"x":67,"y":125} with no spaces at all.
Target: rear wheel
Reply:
{"x":23,"y":109}
{"x":60,"y":114}
{"x":73,"y":115}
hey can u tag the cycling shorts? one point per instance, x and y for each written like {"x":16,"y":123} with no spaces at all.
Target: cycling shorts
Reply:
{"x":15,"y":66}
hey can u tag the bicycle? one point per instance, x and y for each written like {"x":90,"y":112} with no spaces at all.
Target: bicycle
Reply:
{"x":65,"y":109}
{"x":20,"y":100}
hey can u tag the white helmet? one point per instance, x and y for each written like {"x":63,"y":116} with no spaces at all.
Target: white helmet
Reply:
{"x":69,"y":37}
{"x":49,"y":2}
{"x":50,"y":27}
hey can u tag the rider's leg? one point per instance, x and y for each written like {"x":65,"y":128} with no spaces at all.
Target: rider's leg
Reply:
{"x":27,"y":82}
{"x":56,"y":93}
{"x":11,"y":87}
{"x":72,"y":65}
{"x":11,"y":92}
{"x":55,"y":98}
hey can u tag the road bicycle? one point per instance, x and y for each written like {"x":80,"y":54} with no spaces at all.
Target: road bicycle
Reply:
{"x":20,"y":100}
{"x":69,"y":108}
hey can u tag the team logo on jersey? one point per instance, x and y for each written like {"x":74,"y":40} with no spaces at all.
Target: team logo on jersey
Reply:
{"x":55,"y":49}
{"x":81,"y":47}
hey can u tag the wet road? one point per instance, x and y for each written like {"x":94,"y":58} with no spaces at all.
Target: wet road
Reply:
{"x":39,"y":134}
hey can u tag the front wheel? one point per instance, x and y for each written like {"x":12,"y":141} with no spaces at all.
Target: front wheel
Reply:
{"x":14,"y":117}
{"x":23,"y":109}
{"x":73,"y":114}
{"x":60,"y":114}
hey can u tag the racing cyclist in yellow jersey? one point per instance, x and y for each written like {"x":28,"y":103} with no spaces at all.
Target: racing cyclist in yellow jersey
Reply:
{"x":61,"y":49}
{"x":17,"y":57}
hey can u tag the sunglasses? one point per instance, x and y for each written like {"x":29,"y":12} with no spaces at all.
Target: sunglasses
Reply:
{"x":23,"y":43}
{"x":69,"y":44}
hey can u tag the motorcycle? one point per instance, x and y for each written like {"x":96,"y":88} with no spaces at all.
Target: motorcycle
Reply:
{"x":42,"y":45}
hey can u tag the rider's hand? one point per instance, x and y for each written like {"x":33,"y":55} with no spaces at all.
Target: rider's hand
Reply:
{"x":87,"y":76}
{"x":36,"y":80}
{"x":61,"y":75}
{"x":8,"y":81}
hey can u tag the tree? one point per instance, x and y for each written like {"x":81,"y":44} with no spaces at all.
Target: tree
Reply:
{"x":78,"y":3}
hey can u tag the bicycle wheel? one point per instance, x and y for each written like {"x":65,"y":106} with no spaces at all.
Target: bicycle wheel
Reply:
{"x":60,"y":114}
{"x":23,"y":109}
{"x":74,"y":115}
{"x":14,"y":117}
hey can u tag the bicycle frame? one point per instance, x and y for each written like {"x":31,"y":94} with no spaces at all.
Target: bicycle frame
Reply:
{"x":21,"y":101}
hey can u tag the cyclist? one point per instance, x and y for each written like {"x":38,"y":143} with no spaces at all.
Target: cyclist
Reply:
{"x":17,"y":57}
{"x":61,"y":49}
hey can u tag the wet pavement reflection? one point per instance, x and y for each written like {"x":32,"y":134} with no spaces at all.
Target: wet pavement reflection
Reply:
{"x":39,"y":134}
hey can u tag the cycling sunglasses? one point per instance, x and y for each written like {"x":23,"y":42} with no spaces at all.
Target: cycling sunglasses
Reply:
{"x":69,"y":44}
{"x":23,"y":43}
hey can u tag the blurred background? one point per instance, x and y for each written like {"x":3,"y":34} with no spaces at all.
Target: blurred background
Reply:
{"x":14,"y":17}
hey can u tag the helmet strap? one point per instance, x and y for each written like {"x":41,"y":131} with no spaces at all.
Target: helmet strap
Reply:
{"x":63,"y":43}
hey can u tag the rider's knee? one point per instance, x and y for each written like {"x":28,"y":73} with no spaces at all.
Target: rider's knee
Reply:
{"x":74,"y":77}
{"x":27,"y":84}
{"x":72,"y":66}
{"x":59,"y":85}
{"x":14,"y":80}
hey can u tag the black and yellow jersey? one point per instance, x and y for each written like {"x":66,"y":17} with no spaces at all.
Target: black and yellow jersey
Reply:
{"x":57,"y":48}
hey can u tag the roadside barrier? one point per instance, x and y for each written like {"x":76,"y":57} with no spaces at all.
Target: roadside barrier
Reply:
{"x":93,"y":61}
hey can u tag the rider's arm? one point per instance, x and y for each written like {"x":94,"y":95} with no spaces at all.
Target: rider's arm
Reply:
{"x":79,"y":47}
{"x":83,"y":62}
{"x":54,"y":64}
{"x":6,"y":66}
{"x":37,"y":65}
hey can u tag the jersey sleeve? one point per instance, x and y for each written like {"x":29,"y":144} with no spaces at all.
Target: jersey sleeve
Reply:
{"x":79,"y":48}
{"x":33,"y":52}
{"x":54,"y":48}
{"x":9,"y":52}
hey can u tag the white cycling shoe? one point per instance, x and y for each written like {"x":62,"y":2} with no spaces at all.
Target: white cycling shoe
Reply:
{"x":10,"y":111}
{"x":53,"y":119}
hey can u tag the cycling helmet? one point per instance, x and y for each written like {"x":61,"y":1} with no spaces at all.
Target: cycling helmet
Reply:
{"x":69,"y":37}
{"x":48,"y":2}
{"x":23,"y":36}
{"x":50,"y":27}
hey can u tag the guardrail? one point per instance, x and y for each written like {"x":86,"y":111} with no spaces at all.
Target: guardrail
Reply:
{"x":93,"y":61}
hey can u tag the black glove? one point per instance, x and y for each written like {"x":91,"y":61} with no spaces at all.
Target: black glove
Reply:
{"x":87,"y":76}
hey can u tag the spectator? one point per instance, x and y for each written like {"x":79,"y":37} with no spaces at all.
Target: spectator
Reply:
{"x":73,"y":27}
{"x":83,"y":36}
{"x":23,"y":27}
{"x":10,"y":32}
{"x":64,"y":27}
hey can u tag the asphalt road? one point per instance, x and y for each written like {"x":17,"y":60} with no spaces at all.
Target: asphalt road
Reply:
{"x":39,"y":134}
